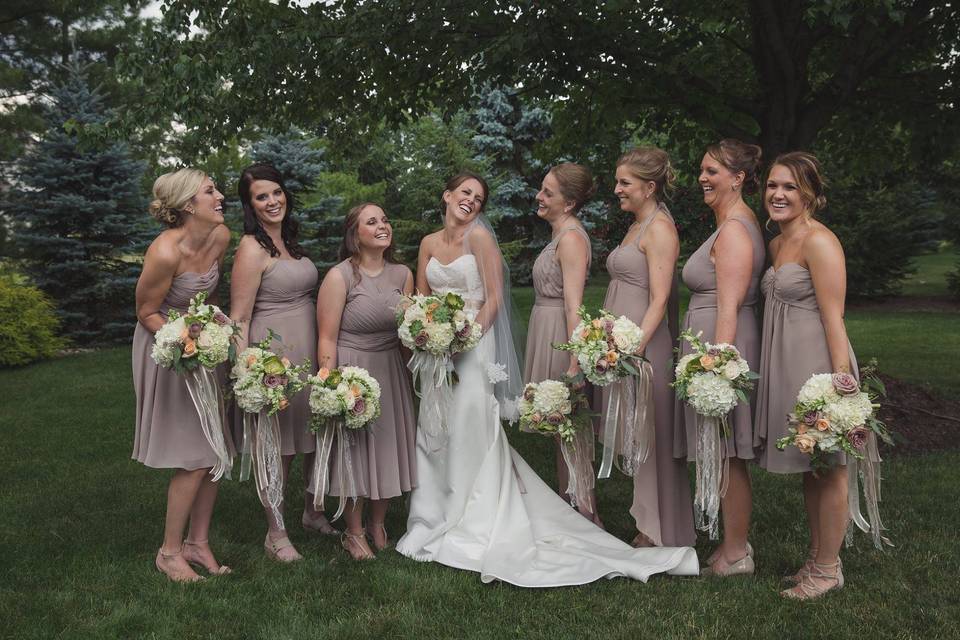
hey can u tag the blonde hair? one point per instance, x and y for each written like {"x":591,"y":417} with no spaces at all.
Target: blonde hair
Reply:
{"x":171,"y":193}
{"x":805,"y":169}
{"x":576,"y":183}
{"x":739,"y":156}
{"x":650,"y":164}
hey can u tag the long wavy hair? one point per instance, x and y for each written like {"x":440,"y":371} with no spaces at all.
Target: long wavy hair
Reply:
{"x":289,"y":228}
{"x":350,"y":245}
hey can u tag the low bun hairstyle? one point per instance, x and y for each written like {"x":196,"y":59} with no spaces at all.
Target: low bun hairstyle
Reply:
{"x":805,"y":169}
{"x":739,"y":156}
{"x":576,"y":183}
{"x":650,"y":164}
{"x":289,"y":228}
{"x":171,"y":194}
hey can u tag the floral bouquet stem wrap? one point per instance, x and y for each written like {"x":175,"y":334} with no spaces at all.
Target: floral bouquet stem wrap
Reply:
{"x":342,"y":401}
{"x":835,"y":414}
{"x":712,"y":380}
{"x":435,"y":328}
{"x":195,"y":344}
{"x":606,"y":348}
{"x":263,"y":385}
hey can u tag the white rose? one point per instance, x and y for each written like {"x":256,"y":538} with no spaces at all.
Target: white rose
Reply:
{"x":627,"y":335}
{"x":731,"y":370}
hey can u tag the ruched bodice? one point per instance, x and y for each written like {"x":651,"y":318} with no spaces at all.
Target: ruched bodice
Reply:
{"x":460,"y":276}
{"x":286,"y":286}
{"x":188,"y":284}
{"x":547,"y":274}
{"x":791,"y":284}
{"x":369,"y":318}
{"x":629,"y":264}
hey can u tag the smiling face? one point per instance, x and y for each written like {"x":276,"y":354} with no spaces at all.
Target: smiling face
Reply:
{"x":782,"y":196}
{"x":551,"y":205}
{"x":465,"y":201}
{"x":373,"y":228}
{"x":269,"y":202}
{"x":207,"y":204}
{"x":632,"y":191}
{"x":719,"y":184}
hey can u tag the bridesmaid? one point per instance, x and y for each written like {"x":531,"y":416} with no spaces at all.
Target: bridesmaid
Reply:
{"x":559,"y":275}
{"x":182,"y":261}
{"x":803,"y":334}
{"x":723,"y":275}
{"x":642,"y":286}
{"x":357,"y":326}
{"x":272,"y":286}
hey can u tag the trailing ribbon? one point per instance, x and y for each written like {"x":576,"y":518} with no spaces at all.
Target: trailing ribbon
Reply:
{"x":205,"y":393}
{"x":712,"y":475}
{"x":261,"y":447}
{"x":866,"y":471}
{"x":628,"y":427}
{"x":334,"y":431}
{"x":578,"y":455}
{"x":435,"y":394}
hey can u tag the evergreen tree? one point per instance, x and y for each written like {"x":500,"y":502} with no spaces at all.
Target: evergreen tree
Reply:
{"x":78,"y":217}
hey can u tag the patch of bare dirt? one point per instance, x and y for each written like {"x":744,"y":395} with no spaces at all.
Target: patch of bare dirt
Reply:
{"x":922,"y":420}
{"x":907,"y":303}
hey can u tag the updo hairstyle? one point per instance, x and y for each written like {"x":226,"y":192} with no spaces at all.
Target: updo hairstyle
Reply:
{"x":171,"y":194}
{"x":650,"y":164}
{"x":576,"y":183}
{"x":805,"y":169}
{"x":739,"y":156}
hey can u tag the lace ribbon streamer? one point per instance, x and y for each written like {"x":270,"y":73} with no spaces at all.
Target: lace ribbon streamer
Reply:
{"x":333,"y":431}
{"x":205,"y":393}
{"x":261,"y":450}
{"x":712,"y":473}
{"x":578,"y":455}
{"x":628,"y":427}
{"x":866,"y":471}
{"x":435,"y":393}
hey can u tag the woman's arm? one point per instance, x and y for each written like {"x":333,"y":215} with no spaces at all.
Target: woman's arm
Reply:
{"x":408,"y":284}
{"x":423,"y":257}
{"x":824,"y":256}
{"x":248,"y":266}
{"x":331,"y":300}
{"x":159,"y":267}
{"x":573,"y":255}
{"x":662,"y":248}
{"x":221,"y":240}
{"x":733,"y":258}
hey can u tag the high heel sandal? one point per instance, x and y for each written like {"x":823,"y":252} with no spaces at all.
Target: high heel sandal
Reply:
{"x":216,"y":570}
{"x":742,"y":567}
{"x":175,"y":576}
{"x":808,"y":588}
{"x":386,"y":540}
{"x":274,"y":547}
{"x":352,"y":542}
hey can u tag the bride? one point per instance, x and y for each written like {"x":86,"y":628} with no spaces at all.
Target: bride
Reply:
{"x":478,"y":505}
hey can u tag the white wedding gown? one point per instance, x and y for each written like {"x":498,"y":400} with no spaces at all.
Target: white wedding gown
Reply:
{"x":479,"y":506}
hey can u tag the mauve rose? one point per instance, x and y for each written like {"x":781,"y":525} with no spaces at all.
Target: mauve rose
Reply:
{"x":714,"y":351}
{"x":601,"y":366}
{"x":421,"y":339}
{"x":221,"y":318}
{"x":528,"y":394}
{"x":463,"y":333}
{"x":810,"y":418}
{"x":194,"y":330}
{"x":845,"y":384}
{"x":359,"y":406}
{"x":555,"y":419}
{"x":271,"y":380}
{"x":858,"y":437}
{"x":608,"y":325}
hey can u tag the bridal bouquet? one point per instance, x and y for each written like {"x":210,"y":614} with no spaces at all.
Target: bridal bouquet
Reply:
{"x":835,"y":413}
{"x":557,"y":408}
{"x":607,"y":349}
{"x":712,"y":379}
{"x":263,"y":384}
{"x":342,"y":400}
{"x":435,"y":328}
{"x":204,"y":336}
{"x":194,"y":344}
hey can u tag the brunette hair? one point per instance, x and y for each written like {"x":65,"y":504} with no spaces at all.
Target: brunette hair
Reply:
{"x":739,"y":156}
{"x":651,"y":164}
{"x":171,"y":194}
{"x":459,"y":179}
{"x":805,"y":169}
{"x":576,"y":183}
{"x":289,"y":228}
{"x":350,"y":245}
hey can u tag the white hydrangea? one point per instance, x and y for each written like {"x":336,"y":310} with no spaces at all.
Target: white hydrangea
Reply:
{"x":214,"y":345}
{"x":819,"y":386}
{"x":847,"y":412}
{"x":324,"y":402}
{"x":681,"y":367}
{"x":166,"y":342}
{"x":251,"y":395}
{"x":551,"y":396}
{"x":439,"y":337}
{"x":627,"y":335}
{"x":711,"y":395}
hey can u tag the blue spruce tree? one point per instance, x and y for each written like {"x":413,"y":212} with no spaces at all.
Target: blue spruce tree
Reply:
{"x":80,"y":216}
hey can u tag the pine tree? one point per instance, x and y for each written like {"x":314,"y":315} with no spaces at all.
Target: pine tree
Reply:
{"x":79,"y":215}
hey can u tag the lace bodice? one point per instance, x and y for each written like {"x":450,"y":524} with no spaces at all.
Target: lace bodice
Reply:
{"x":460,"y":276}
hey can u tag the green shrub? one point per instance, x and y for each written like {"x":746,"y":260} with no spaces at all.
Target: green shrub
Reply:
{"x":28,"y":324}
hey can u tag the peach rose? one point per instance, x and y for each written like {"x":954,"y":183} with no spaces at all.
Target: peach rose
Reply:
{"x":597,"y":323}
{"x":612,"y":357}
{"x":286,"y":362}
{"x":708,"y":362}
{"x":323,"y":374}
{"x":806,"y":443}
{"x":356,"y":390}
{"x":284,"y":403}
{"x":822,"y":424}
{"x":801,"y":428}
{"x":251,"y":360}
{"x":189,"y":348}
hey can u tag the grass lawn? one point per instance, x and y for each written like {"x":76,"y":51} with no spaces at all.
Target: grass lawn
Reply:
{"x":930,"y":279}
